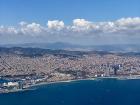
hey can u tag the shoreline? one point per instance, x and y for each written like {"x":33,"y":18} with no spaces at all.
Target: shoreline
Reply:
{"x":56,"y":82}
{"x":32,"y":87}
{"x":96,"y":78}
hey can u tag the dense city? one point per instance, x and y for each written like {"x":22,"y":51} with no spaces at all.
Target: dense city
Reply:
{"x":18,"y":72}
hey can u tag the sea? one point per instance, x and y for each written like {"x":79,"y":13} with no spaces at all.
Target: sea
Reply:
{"x":82,"y":92}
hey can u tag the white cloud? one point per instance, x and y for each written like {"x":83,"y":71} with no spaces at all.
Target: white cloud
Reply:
{"x":31,"y":29}
{"x":23,"y":23}
{"x":126,"y":22}
{"x":81,"y":22}
{"x":11,"y":30}
{"x":34,"y":27}
{"x":81,"y":25}
{"x":123,"y":29}
{"x":1,"y":28}
{"x":55,"y":24}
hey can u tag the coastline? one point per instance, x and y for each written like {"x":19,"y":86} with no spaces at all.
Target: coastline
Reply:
{"x":55,"y":82}
{"x":96,"y":78}
{"x":32,"y":87}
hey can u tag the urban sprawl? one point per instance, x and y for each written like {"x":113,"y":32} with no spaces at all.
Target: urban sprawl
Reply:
{"x":18,"y":72}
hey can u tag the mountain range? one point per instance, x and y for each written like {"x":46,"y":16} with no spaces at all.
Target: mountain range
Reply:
{"x":73,"y":47}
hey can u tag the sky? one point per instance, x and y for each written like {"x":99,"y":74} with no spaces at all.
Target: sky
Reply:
{"x":84,"y":22}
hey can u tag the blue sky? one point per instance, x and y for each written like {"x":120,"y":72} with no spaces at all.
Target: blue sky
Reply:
{"x":74,"y":21}
{"x":14,"y":11}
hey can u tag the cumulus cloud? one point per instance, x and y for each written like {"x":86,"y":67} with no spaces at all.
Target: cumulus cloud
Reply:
{"x":11,"y":30}
{"x":32,"y":28}
{"x":128,"y":22}
{"x":121,"y":29}
{"x":55,"y":24}
{"x":81,"y":22}
{"x":81,"y":25}
{"x":23,"y":23}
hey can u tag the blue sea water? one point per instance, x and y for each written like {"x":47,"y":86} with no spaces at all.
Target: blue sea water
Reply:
{"x":85,"y":92}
